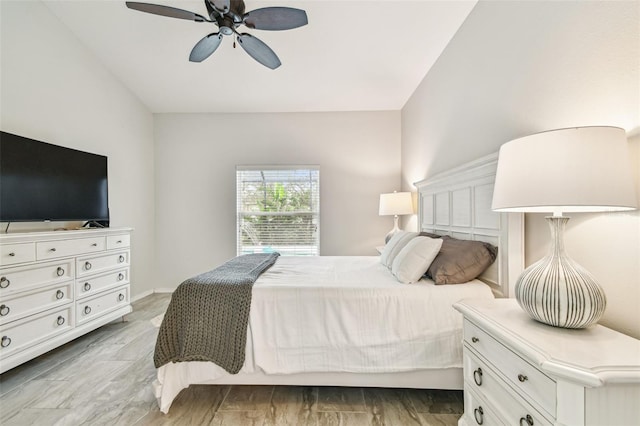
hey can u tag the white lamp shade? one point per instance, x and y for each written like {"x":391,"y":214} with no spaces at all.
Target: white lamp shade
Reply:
{"x":584,"y":169}
{"x":396,"y":203}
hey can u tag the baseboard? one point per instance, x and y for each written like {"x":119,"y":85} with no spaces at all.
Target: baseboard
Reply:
{"x":164,"y":290}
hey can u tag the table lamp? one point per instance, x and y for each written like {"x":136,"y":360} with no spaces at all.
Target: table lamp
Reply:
{"x":395,"y":203}
{"x":582,"y":169}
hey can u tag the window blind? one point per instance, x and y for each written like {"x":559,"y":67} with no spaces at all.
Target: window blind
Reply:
{"x":278,"y":209}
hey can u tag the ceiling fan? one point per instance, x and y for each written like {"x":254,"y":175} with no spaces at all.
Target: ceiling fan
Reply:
{"x":228,"y":15}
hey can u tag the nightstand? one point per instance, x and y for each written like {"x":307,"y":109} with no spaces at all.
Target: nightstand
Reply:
{"x":521,"y":372}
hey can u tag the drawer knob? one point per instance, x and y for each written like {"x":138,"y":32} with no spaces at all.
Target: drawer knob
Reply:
{"x":87,"y":286}
{"x":121,"y":258}
{"x":87,"y":310}
{"x":6,"y":341}
{"x":119,"y":242}
{"x":522,"y":378}
{"x":120,"y":276}
{"x":60,"y":320}
{"x":12,"y":254}
{"x":475,"y":339}
{"x":477,"y":376}
{"x":60,"y":271}
{"x":94,"y":245}
{"x":87,"y":265}
{"x":528,"y":421}
{"x":4,"y":282}
{"x":52,"y":249}
{"x":120,"y":297}
{"x":4,"y":310}
{"x":478,"y":414}
{"x":59,"y":294}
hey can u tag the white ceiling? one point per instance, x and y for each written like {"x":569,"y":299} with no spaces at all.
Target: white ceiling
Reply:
{"x":354,"y":55}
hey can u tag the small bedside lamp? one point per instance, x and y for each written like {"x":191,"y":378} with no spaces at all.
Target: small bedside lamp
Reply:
{"x":395,"y":203}
{"x":584,"y":169}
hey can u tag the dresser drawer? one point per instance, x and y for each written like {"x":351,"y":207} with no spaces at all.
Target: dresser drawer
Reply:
{"x":97,"y":283}
{"x":11,"y":254}
{"x":31,"y":302}
{"x":478,"y":412}
{"x":29,"y":331}
{"x":511,"y":408}
{"x":100,"y":304}
{"x":518,"y":372}
{"x":24,"y":278}
{"x":118,"y":241}
{"x":103,"y":262}
{"x":61,"y":248}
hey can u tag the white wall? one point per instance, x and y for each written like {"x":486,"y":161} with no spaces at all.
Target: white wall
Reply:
{"x":52,"y":89}
{"x":516,"y":68}
{"x":196,"y":155}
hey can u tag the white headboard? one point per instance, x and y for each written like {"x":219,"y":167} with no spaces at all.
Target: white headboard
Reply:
{"x":458,"y":203}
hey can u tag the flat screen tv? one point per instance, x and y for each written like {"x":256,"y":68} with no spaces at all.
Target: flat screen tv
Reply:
{"x":44,"y":182}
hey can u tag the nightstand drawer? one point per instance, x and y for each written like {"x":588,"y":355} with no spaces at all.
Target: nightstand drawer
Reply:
{"x":510,"y":406}
{"x":520,"y":374}
{"x":479,"y":412}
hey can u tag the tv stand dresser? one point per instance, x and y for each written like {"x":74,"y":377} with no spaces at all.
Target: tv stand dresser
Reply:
{"x":56,"y":286}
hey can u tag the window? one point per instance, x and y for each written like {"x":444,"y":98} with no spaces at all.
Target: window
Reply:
{"x":278,"y":209}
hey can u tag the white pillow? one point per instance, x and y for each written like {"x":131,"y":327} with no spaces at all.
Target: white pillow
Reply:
{"x":414,"y":259}
{"x":393,"y":247}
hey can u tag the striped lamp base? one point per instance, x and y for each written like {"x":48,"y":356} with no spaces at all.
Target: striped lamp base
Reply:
{"x":556,"y":290}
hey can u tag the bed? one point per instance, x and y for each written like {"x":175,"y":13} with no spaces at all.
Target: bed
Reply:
{"x":353,"y":323}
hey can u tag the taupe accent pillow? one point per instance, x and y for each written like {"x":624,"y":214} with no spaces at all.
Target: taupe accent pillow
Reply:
{"x":461,"y":261}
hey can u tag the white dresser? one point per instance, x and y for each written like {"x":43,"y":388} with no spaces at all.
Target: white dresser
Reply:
{"x":56,"y":286}
{"x":521,"y":372}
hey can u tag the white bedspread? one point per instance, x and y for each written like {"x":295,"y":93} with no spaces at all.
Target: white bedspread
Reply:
{"x":340,"y":314}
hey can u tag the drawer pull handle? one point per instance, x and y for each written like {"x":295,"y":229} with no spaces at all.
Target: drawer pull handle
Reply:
{"x":120,"y":297}
{"x":522,"y":378}
{"x":60,"y":271}
{"x":121,"y":258}
{"x":12,"y":254}
{"x":60,"y":320}
{"x":120,"y":276}
{"x":52,"y":249}
{"x":6,"y":341}
{"x":87,"y":310}
{"x":477,"y":376}
{"x":59,"y":294}
{"x":475,"y":339}
{"x":119,"y":242}
{"x":87,"y":286}
{"x":94,"y":245}
{"x":4,"y":282}
{"x":87,"y":265}
{"x":4,"y":310}
{"x":528,"y":421}
{"x":478,"y":414}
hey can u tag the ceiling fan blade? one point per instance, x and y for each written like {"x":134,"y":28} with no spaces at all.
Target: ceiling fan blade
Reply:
{"x":275,"y":18}
{"x":221,"y":5}
{"x":205,"y":47}
{"x":259,"y":51}
{"x":171,"y":12}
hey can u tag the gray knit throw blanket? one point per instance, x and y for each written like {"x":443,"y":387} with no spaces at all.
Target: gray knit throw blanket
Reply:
{"x":208,"y":315}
